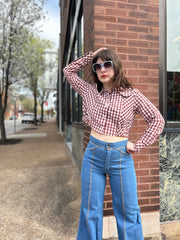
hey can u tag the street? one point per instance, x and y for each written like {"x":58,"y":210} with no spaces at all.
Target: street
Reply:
{"x":13,"y":126}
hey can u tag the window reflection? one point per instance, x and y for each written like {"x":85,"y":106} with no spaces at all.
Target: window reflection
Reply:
{"x":173,"y":96}
{"x":173,"y":60}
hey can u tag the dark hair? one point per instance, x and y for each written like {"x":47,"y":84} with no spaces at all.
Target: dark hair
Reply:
{"x":119,"y":79}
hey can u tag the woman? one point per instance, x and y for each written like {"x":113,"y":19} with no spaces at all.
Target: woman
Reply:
{"x":109,"y":107}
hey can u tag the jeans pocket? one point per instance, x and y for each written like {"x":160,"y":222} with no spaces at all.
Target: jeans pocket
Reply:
{"x":91,"y":146}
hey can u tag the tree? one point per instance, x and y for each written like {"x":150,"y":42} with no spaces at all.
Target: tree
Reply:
{"x":28,"y":104}
{"x":16,"y":16}
{"x":43,"y":95}
{"x":36,"y":66}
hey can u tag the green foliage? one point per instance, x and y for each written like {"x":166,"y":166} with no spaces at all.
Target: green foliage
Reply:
{"x":17,"y":20}
{"x":28,"y":105}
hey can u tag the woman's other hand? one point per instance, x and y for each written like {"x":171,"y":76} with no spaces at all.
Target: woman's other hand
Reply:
{"x":130,"y":147}
{"x":99,"y":50}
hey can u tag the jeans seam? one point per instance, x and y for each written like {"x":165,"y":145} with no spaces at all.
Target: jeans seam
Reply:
{"x":97,"y":145}
{"x":122,"y":195}
{"x":89,"y":195}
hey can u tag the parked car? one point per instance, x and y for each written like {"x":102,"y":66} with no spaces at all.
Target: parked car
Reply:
{"x":28,"y":117}
{"x":13,"y":117}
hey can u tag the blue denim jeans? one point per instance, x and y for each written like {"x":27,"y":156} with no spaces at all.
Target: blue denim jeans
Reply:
{"x":103,"y":158}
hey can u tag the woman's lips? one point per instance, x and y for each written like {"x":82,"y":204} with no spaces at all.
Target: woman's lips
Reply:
{"x":103,"y":76}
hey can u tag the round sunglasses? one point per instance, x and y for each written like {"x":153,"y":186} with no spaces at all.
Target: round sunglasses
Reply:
{"x":108,"y":65}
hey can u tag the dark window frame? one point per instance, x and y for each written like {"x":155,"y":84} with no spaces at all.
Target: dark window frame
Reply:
{"x":169,"y":126}
{"x":72,"y":104}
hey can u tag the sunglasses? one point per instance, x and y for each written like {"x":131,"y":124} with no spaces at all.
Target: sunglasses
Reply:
{"x":108,"y":65}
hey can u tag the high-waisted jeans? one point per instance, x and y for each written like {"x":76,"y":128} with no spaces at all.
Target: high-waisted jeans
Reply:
{"x":103,"y":158}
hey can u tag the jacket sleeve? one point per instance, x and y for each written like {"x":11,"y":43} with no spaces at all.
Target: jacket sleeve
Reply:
{"x":71,"y":73}
{"x":152,"y":116}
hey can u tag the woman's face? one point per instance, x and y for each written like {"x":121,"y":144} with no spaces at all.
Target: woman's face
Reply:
{"x":105,"y":75}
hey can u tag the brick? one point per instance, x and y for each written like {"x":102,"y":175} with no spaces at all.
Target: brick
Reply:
{"x":127,"y":35}
{"x":148,"y":165}
{"x":136,"y":165}
{"x":150,"y":208}
{"x":130,"y":65}
{"x":149,"y":51}
{"x":138,"y":1}
{"x":108,"y":189}
{"x":143,"y":187}
{"x":105,"y":18}
{"x":150,"y":37}
{"x":115,"y":41}
{"x":104,"y":3}
{"x":115,"y":12}
{"x":138,"y":14}
{"x":143,"y":201}
{"x":138,"y":58}
{"x":99,"y":40}
{"x":99,"y":25}
{"x":138,"y":29}
{"x":154,"y":16}
{"x":149,"y":194}
{"x":137,"y":43}
{"x":149,"y":179}
{"x":127,"y":21}
{"x":142,"y":87}
{"x":97,"y":46}
{"x":149,"y":23}
{"x":149,"y":65}
{"x":138,"y":72}
{"x":108,"y":212}
{"x":153,"y":2}
{"x":109,"y":205}
{"x":153,"y":59}
{"x":118,"y":27}
{"x":141,"y":158}
{"x":154,"y":31}
{"x":154,"y":185}
{"x":99,"y":10}
{"x":154,"y":73}
{"x":103,"y":33}
{"x":122,"y":56}
{"x":148,"y":8}
{"x":142,"y":172}
{"x":127,"y":6}
{"x":107,"y":197}
{"x":127,"y":50}
{"x":155,"y":200}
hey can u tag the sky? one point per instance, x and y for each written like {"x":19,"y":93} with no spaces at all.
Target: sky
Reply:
{"x":51,"y":26}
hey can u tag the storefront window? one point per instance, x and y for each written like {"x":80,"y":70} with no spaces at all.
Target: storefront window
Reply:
{"x":173,"y":60}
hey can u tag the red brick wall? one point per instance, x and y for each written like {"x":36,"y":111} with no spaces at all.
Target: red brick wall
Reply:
{"x":131,"y":29}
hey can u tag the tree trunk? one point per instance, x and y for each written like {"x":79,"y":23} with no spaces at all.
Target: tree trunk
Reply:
{"x":2,"y":125}
{"x":42,"y":112}
{"x":35,"y":108}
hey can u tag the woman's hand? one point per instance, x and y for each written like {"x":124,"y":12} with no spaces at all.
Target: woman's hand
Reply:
{"x":99,"y":50}
{"x":130,"y":147}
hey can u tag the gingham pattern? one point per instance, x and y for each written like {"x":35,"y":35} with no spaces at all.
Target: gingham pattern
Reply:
{"x":112,"y":112}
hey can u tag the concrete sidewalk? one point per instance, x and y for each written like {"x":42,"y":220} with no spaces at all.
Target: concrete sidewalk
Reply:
{"x":40,"y":188}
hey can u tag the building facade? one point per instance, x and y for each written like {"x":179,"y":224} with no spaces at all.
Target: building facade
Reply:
{"x":49,"y":79}
{"x":141,"y":32}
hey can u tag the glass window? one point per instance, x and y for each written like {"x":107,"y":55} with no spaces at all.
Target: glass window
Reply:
{"x":173,"y":60}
